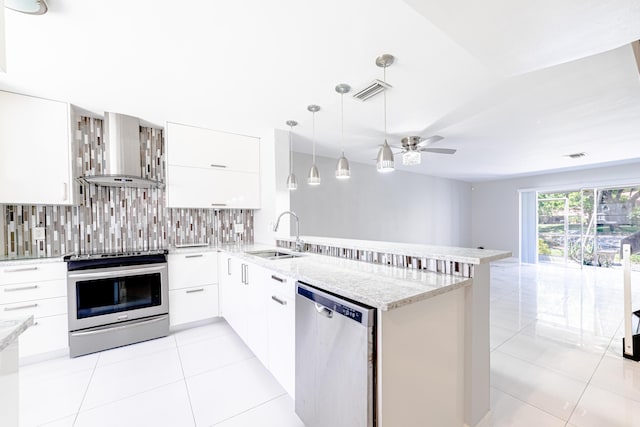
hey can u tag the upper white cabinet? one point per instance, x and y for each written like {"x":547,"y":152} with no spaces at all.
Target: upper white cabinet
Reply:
{"x":35,"y":151}
{"x":211,"y":169}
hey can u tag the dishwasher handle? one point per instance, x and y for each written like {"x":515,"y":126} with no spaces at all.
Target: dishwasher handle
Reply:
{"x":324,"y":311}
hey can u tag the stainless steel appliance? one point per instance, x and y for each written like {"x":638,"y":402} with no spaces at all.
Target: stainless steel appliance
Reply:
{"x":116,"y":299}
{"x":335,"y":360}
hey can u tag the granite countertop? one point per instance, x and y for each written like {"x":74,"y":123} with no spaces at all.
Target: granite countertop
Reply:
{"x":380,"y":286}
{"x":10,"y":329}
{"x":6,"y":261}
{"x":450,"y":253}
{"x":189,"y":249}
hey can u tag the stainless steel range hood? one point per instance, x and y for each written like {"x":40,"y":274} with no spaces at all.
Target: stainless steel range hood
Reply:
{"x":122,"y":152}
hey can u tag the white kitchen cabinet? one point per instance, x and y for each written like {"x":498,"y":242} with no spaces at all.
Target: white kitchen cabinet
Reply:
{"x":205,"y":148}
{"x":38,"y":290}
{"x":189,"y":187}
{"x":211,"y":169}
{"x":243,"y":300}
{"x":35,"y":151}
{"x":281,"y":319}
{"x":193,"y":287}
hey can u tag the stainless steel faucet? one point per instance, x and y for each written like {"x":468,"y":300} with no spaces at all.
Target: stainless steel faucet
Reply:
{"x":299,"y":243}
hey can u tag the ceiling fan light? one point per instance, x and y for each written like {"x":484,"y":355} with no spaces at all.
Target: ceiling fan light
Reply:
{"x":292,"y":182}
{"x":342,"y":169}
{"x":384,"y":161}
{"x":411,"y":158}
{"x":31,"y":7}
{"x":314,"y":175}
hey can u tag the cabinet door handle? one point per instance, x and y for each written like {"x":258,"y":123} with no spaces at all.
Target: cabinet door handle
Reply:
{"x":278,"y":279}
{"x":278,"y":300}
{"x":16,"y":270}
{"x":218,"y":166}
{"x":20,"y":307}
{"x":218,"y":204}
{"x":194,"y":256}
{"x":228,"y":266}
{"x":191,"y":291}
{"x":21,"y":288}
{"x":65,"y":194}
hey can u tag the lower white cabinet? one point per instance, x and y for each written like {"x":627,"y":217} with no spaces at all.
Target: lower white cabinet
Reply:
{"x":259,"y":304}
{"x":38,"y":290}
{"x":281,"y":318}
{"x":193,"y":287}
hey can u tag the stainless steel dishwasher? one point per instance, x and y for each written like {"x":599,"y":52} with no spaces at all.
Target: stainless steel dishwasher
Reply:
{"x":335,"y":360}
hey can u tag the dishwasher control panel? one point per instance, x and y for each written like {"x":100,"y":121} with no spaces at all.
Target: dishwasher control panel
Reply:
{"x":327,"y":301}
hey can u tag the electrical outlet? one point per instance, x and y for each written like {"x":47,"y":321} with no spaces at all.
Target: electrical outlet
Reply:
{"x":38,"y":233}
{"x":238,"y":228}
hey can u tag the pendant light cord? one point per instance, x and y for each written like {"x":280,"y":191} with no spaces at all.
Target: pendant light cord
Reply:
{"x":342,"y":121}
{"x":290,"y":151}
{"x":314,"y":137}
{"x":384,"y":93}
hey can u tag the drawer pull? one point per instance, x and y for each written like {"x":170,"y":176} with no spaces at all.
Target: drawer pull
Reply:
{"x":191,"y":291}
{"x":278,"y":279}
{"x":278,"y":300}
{"x":218,"y":166}
{"x":21,"y":288}
{"x":218,"y":204}
{"x":17,"y":270}
{"x":194,"y":256}
{"x":20,"y":307}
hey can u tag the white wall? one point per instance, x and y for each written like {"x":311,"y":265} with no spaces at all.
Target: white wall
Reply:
{"x":398,"y":207}
{"x":274,"y":169}
{"x":495,"y":222}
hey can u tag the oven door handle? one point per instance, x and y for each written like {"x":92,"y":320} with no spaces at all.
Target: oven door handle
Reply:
{"x":83,"y":274}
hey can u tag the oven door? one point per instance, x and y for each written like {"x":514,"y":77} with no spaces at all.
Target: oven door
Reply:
{"x":116,"y":294}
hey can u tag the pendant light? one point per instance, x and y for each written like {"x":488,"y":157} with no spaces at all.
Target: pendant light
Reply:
{"x":342,"y":168}
{"x":384,"y":161}
{"x":292,"y":182}
{"x":314,"y":174}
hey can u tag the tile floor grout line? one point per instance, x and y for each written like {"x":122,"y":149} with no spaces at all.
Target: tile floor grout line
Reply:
{"x":527,"y":403}
{"x":84,"y":395}
{"x":604,"y":353}
{"x":249,"y":409}
{"x":217,"y":368}
{"x":186,"y":386}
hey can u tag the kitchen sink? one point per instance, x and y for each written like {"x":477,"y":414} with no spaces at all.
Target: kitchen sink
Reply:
{"x":274,"y":254}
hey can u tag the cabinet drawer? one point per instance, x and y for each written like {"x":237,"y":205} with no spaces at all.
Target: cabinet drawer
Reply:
{"x":33,"y":272}
{"x":38,"y":308}
{"x":281,"y":285}
{"x":224,"y":189}
{"x":193,"y":304}
{"x":47,"y":334}
{"x":206,"y":148}
{"x":193,"y":269}
{"x":20,"y":292}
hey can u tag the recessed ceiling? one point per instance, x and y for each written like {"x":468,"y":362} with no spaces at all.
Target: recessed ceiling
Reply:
{"x":513,"y":92}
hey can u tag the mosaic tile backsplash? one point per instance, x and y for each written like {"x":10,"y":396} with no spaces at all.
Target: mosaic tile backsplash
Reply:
{"x":111,"y":219}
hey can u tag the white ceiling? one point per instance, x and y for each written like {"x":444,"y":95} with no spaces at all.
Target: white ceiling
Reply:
{"x":512,"y":85}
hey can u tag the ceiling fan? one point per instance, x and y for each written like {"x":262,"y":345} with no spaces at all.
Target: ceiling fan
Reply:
{"x":413,"y":145}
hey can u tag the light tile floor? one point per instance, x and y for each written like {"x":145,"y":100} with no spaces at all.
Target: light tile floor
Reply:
{"x":556,"y":361}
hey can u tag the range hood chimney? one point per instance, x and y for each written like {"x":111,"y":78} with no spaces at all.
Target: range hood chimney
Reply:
{"x":122,"y":155}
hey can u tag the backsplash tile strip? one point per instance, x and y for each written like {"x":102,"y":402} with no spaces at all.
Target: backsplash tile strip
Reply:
{"x":112,"y":219}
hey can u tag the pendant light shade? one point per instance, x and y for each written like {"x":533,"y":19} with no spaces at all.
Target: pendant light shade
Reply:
{"x":292,"y":182}
{"x":384,"y":161}
{"x":314,"y":174}
{"x":31,"y":7}
{"x":342,"y":168}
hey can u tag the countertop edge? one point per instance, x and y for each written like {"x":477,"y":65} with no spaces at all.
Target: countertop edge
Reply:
{"x":21,"y":325}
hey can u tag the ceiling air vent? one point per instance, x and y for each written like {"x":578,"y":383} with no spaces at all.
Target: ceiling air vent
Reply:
{"x":374,"y":88}
{"x":575,"y":155}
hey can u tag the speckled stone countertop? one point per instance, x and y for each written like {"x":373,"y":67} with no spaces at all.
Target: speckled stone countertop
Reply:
{"x":375,"y":285}
{"x":189,"y":249}
{"x":449,"y":253}
{"x":29,"y":259}
{"x":10,"y":329}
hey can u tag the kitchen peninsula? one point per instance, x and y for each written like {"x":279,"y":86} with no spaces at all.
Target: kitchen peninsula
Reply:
{"x":10,"y":330}
{"x":432,"y":327}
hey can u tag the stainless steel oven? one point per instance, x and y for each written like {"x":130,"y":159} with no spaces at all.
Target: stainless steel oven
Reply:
{"x":116,"y":300}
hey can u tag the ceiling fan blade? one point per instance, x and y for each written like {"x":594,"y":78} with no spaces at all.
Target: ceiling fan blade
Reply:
{"x":430,"y":140}
{"x":439,"y":150}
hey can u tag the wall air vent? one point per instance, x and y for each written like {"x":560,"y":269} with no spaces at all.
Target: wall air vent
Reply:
{"x":373,"y":89}
{"x":575,"y":155}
